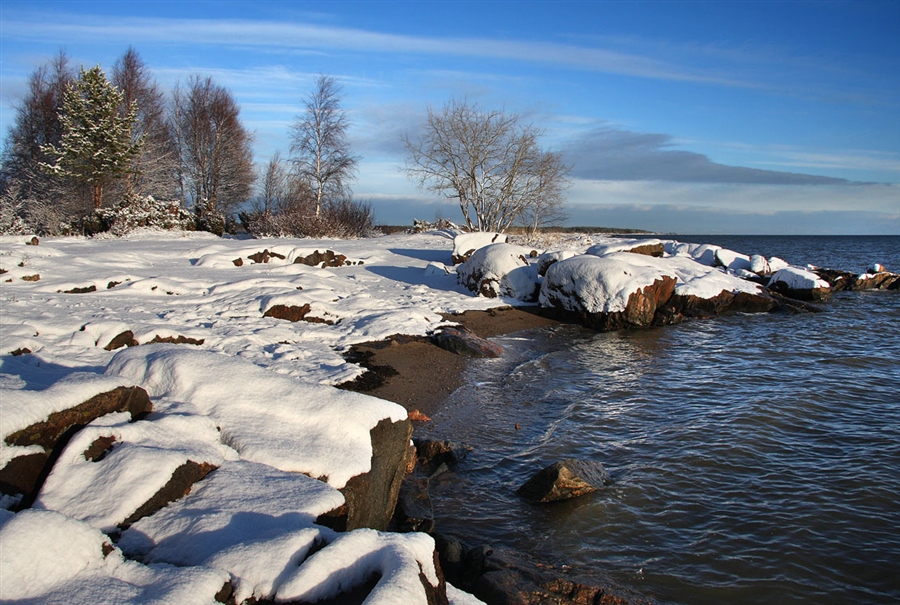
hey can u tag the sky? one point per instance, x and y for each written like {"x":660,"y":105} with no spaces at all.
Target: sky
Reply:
{"x":683,"y":117}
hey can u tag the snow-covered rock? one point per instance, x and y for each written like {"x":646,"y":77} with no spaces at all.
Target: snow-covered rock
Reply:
{"x":467,"y":243}
{"x":799,"y":284}
{"x":546,"y":259}
{"x":649,"y":247}
{"x":606,"y":293}
{"x":500,"y":270}
{"x":266,"y":417}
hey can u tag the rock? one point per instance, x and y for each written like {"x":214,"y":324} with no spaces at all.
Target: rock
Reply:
{"x":26,"y":474}
{"x":500,"y":270}
{"x":238,"y":262}
{"x":565,"y":480}
{"x":871,"y":280}
{"x":177,"y":340}
{"x":462,"y":341}
{"x":465,"y":244}
{"x":84,"y":290}
{"x":414,"y":511}
{"x":689,"y":305}
{"x":125,"y":339}
{"x":34,"y":241}
{"x":295,"y":313}
{"x":507,"y":577}
{"x":264,"y":257}
{"x":605,"y":293}
{"x":548,"y":258}
{"x":431,"y":454}
{"x":371,"y":497}
{"x":35,"y":277}
{"x":326,"y":259}
{"x":800,"y":284}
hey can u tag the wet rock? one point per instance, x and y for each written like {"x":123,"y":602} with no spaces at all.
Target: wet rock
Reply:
{"x":431,"y":454}
{"x":565,"y":480}
{"x":462,"y":341}
{"x":871,"y":280}
{"x":507,"y":577}
{"x":725,"y":302}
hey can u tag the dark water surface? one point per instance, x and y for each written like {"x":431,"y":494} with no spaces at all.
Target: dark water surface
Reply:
{"x":756,"y":458}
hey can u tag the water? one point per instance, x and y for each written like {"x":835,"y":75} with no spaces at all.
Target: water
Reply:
{"x":756,"y":458}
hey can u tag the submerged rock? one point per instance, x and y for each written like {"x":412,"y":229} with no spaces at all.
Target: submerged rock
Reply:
{"x":565,"y":480}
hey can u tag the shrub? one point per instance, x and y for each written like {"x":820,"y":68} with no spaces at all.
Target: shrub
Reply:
{"x":147,"y":213}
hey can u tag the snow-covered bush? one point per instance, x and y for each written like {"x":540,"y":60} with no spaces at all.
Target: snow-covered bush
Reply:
{"x":11,"y":216}
{"x":144,"y":213}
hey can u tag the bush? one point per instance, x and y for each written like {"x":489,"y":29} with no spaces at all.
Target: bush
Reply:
{"x":142,"y":213}
{"x":345,"y":219}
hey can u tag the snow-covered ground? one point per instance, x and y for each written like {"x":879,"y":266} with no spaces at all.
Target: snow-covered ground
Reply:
{"x":250,"y":394}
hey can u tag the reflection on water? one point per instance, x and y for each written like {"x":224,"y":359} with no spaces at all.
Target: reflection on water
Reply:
{"x":755,"y":458}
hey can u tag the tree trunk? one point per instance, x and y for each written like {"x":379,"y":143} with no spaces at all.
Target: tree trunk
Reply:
{"x":97,"y":194}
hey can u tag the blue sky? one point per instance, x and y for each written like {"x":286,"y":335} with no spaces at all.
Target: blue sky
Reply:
{"x":686,"y":117}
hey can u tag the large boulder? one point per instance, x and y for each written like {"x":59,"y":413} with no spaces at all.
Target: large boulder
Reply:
{"x":465,"y":244}
{"x":606,"y":293}
{"x":463,"y":341}
{"x":648,"y":247}
{"x":800,"y":284}
{"x":500,"y":270}
{"x":564,"y":480}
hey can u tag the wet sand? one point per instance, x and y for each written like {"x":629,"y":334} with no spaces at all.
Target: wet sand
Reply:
{"x":419,"y":375}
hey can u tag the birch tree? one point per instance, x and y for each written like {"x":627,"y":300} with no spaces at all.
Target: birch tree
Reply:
{"x":490,"y":163}
{"x":321,"y":153}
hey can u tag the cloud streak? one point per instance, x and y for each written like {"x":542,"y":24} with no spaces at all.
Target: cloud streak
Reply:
{"x":611,"y":154}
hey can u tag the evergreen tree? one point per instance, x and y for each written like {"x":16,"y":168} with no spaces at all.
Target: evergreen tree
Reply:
{"x":96,"y":143}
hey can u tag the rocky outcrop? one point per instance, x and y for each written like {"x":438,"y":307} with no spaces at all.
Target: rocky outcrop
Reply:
{"x":693,"y":306}
{"x":462,"y":341}
{"x":564,"y":480}
{"x":25,"y":474}
{"x":875,"y":278}
{"x":500,"y":270}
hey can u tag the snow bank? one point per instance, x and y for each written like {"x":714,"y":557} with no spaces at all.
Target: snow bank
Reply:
{"x":266,"y":417}
{"x":49,"y":559}
{"x":248,"y":519}
{"x":354,"y":557}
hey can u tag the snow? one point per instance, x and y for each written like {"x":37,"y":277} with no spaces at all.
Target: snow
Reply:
{"x":798,"y":279}
{"x":352,"y":558}
{"x":465,"y":243}
{"x":50,"y":559}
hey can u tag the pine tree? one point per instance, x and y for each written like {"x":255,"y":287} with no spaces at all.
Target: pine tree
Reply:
{"x":96,"y":143}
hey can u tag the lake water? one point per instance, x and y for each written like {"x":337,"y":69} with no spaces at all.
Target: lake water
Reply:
{"x":756,"y":458}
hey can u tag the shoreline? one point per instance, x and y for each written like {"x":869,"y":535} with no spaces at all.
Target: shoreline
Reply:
{"x":419,"y":375}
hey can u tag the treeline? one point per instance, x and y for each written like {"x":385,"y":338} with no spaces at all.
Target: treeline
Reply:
{"x":89,"y":153}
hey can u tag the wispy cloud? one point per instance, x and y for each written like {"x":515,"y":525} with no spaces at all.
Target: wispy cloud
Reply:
{"x":304,"y":36}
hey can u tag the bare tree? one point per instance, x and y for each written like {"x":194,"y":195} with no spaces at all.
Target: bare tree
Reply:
{"x":216,"y":167}
{"x":490,"y":163}
{"x":321,"y":153}
{"x":155,"y":167}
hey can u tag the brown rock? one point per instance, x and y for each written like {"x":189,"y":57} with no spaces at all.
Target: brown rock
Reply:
{"x":179,"y":340}
{"x":125,"y":339}
{"x":84,"y":290}
{"x":183,"y":479}
{"x":656,"y":250}
{"x":295,"y":313}
{"x":724,"y":302}
{"x":35,"y":277}
{"x":326,"y":259}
